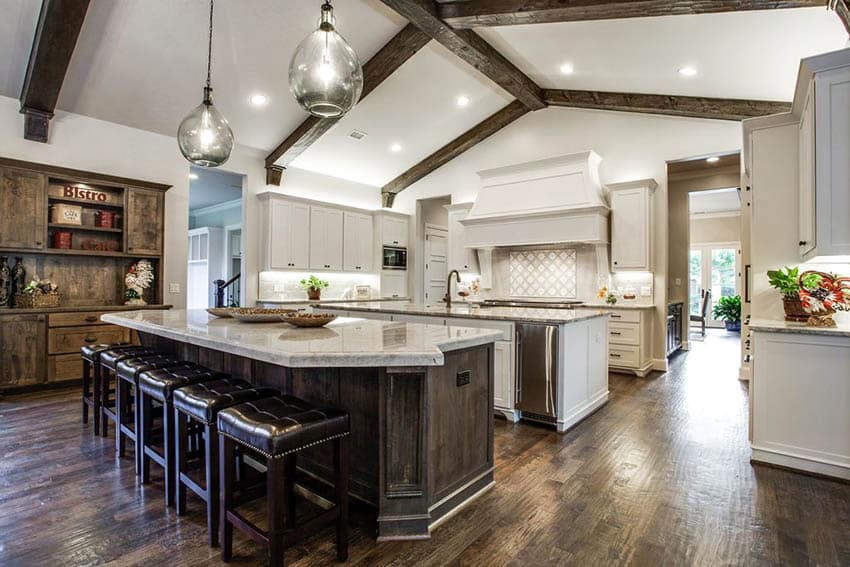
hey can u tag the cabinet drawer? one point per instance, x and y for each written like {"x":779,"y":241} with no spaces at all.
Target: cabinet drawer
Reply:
{"x":64,"y":367}
{"x":627,"y":356}
{"x":623,"y":333}
{"x":70,"y":339}
{"x":624,"y":316}
{"x":75,"y":319}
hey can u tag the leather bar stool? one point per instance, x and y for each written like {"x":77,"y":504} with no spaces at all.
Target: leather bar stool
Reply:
{"x":126,"y":398}
{"x":199,"y":404}
{"x":107,"y":368}
{"x":278,"y":428}
{"x":159,"y":386}
{"x":91,"y":387}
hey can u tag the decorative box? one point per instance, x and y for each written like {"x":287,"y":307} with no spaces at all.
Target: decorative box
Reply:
{"x":66,"y":214}
{"x":105,"y":219}
{"x":62,"y":240}
{"x":36,"y":300}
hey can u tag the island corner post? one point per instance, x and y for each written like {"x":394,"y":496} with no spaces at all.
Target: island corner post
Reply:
{"x":421,"y":441}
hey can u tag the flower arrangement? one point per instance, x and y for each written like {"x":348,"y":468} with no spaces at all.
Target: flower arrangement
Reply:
{"x":822,"y":295}
{"x":139,"y":278}
{"x":38,"y":286}
{"x":609,"y":297}
{"x":314,"y":286}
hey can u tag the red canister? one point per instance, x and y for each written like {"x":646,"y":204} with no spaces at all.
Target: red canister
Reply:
{"x":62,"y":240}
{"x":105,"y":219}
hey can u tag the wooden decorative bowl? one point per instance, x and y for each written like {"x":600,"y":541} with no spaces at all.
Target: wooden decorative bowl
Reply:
{"x":309,"y":319}
{"x":258,"y":315}
{"x":224,"y":312}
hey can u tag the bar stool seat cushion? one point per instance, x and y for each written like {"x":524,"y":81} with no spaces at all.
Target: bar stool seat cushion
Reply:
{"x":91,"y":352}
{"x":281,"y":425}
{"x":161,"y":383}
{"x":110,"y":357}
{"x":203,"y":401}
{"x":130,"y":368}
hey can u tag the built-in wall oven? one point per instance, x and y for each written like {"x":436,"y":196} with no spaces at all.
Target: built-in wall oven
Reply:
{"x":395,"y":258}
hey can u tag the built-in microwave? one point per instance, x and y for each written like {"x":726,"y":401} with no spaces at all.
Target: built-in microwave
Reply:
{"x":395,"y":258}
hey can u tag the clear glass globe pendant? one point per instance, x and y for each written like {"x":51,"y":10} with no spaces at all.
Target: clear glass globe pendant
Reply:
{"x":204,"y":136}
{"x":325,"y":76}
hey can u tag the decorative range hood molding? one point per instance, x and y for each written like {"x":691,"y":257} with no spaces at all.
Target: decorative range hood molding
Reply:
{"x":550,"y":201}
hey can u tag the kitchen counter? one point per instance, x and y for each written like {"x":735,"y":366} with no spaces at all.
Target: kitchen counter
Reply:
{"x":600,"y":305}
{"x":325,"y":301}
{"x":779,"y":326}
{"x":469,"y":311}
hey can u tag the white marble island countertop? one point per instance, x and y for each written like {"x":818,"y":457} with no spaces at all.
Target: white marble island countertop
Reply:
{"x":779,"y":326}
{"x":342,"y":343}
{"x":470,"y":311}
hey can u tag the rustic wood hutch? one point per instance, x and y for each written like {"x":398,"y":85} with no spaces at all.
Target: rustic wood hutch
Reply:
{"x":40,"y":346}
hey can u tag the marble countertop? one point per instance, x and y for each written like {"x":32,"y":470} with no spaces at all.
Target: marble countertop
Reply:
{"x":619,"y":305}
{"x":343,"y":343}
{"x":323,"y":301}
{"x":470,"y":311}
{"x":779,"y":326}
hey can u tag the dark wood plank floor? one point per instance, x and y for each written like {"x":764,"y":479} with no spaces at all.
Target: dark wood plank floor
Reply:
{"x":658,"y":476}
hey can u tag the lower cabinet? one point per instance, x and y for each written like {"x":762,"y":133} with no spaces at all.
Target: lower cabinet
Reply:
{"x":629,"y":339}
{"x":23,"y":344}
{"x":503,"y":389}
{"x":674,"y":327}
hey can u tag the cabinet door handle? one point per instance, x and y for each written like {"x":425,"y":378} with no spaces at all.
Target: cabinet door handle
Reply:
{"x":615,"y":333}
{"x":38,"y":243}
{"x":91,"y":318}
{"x":802,"y":243}
{"x":615,"y":316}
{"x":614,"y":355}
{"x":615,"y":263}
{"x":90,"y":339}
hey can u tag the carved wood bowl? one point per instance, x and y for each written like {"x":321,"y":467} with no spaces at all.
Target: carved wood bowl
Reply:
{"x":309,"y":319}
{"x":224,"y":312}
{"x":259,"y":315}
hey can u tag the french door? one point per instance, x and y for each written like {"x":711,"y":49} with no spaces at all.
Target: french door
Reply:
{"x":716,"y":268}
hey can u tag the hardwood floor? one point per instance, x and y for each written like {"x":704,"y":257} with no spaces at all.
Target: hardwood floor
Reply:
{"x":661,"y":475}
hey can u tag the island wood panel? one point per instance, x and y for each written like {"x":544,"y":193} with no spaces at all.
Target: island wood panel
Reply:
{"x":23,"y":211}
{"x":145,"y":221}
{"x":22,"y":346}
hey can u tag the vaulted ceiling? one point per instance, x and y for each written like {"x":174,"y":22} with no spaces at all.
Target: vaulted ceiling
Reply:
{"x":142,"y":64}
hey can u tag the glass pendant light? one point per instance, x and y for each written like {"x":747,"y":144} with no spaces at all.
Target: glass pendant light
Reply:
{"x":204,"y":136}
{"x":325,"y":76}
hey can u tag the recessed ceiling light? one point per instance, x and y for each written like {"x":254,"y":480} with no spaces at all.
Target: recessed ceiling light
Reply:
{"x":395,"y":148}
{"x":258,"y":99}
{"x":567,"y":69}
{"x":713,"y":159}
{"x":193,"y":176}
{"x":462,"y":100}
{"x":688,"y":71}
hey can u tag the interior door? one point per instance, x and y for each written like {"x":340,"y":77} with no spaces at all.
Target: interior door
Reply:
{"x":436,"y":263}
{"x":713,"y":267}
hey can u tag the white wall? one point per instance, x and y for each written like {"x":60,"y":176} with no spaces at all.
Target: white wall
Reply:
{"x":632,"y":146}
{"x":708,"y":230}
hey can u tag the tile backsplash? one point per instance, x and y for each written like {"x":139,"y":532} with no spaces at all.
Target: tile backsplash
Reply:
{"x":543,"y":273}
{"x":281,"y":286}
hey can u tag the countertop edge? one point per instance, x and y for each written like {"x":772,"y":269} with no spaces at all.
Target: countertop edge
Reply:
{"x":776,"y":326}
{"x":479,"y":315}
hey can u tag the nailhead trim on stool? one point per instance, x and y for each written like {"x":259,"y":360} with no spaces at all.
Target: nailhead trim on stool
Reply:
{"x":200,"y":404}
{"x":277,"y":428}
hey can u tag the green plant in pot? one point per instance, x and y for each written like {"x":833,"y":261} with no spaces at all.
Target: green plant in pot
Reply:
{"x":786,"y":281}
{"x":728,"y":309}
{"x":314,"y":286}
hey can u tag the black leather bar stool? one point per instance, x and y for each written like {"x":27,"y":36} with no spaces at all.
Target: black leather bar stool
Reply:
{"x":126,"y":398}
{"x":159,"y":386}
{"x":91,"y":386}
{"x":107,"y":368}
{"x":199,"y":404}
{"x":278,"y":428}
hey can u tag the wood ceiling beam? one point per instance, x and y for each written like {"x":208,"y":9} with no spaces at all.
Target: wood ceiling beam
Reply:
{"x":472,"y":48}
{"x":59,"y":25}
{"x":392,"y":56}
{"x":465,"y":141}
{"x":483,"y":13}
{"x":842,"y":8}
{"x":688,"y":106}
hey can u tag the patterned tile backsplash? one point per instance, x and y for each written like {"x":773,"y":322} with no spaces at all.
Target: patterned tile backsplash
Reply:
{"x":543,"y":273}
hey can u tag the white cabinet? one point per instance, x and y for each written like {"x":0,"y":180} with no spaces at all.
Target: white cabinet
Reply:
{"x":629,"y":339}
{"x":394,"y":230}
{"x":285,"y":234}
{"x":503,"y":376}
{"x":460,"y":257}
{"x":394,"y":284}
{"x":807,"y":175}
{"x":357,"y":242}
{"x":631,"y":225}
{"x":325,"y":238}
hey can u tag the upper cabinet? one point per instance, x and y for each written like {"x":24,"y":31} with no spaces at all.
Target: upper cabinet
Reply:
{"x":145,"y":221}
{"x":394,"y":230}
{"x":358,"y":238}
{"x":824,"y":148}
{"x":631,"y":225}
{"x":325,"y":238}
{"x":460,"y":257}
{"x":285,"y":234}
{"x":22,"y":209}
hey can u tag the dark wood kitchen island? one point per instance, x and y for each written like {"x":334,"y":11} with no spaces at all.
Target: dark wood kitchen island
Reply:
{"x":419,"y":396}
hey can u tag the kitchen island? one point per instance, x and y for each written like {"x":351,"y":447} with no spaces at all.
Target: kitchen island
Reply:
{"x":419,"y":397}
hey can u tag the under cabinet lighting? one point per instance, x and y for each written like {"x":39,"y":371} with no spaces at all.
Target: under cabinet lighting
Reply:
{"x":713,"y":159}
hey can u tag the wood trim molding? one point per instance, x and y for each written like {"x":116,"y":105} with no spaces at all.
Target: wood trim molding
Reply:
{"x":473,"y":49}
{"x":688,"y":106}
{"x":59,"y":25}
{"x":481,"y":13}
{"x":392,"y":56}
{"x":218,"y":207}
{"x":468,"y":139}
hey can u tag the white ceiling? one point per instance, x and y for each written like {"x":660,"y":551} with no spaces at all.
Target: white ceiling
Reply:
{"x":17,"y":28}
{"x":213,"y":186}
{"x":714,"y":201}
{"x":751,"y":55}
{"x":416,"y":108}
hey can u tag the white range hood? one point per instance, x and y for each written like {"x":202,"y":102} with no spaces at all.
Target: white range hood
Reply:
{"x":551,"y":201}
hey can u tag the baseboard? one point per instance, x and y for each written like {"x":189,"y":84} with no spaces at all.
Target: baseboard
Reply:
{"x":510,"y":415}
{"x":41,"y":387}
{"x":799,"y":464}
{"x":582,"y":412}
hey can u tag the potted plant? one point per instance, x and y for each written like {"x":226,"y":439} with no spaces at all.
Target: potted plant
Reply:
{"x":728,"y":309}
{"x":786,"y":280}
{"x":314,"y":286}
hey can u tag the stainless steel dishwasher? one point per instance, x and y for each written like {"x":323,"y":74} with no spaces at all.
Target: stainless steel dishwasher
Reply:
{"x":537,"y":371}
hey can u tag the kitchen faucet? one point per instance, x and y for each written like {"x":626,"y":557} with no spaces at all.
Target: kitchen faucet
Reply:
{"x":448,"y":297}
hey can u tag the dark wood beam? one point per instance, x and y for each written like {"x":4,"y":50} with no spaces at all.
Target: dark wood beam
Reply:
{"x":392,"y":56}
{"x":842,"y":8}
{"x":447,"y":153}
{"x":481,"y":13}
{"x":56,"y":33}
{"x":689,"y":106}
{"x":472,"y":48}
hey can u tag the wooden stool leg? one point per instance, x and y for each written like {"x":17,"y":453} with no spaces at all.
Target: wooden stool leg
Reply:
{"x":143,"y":437}
{"x":120,"y":409}
{"x":341,"y":484}
{"x":290,"y":464}
{"x":276,"y":497}
{"x":212,"y":481}
{"x":181,"y":438}
{"x":168,"y":451}
{"x":137,"y":425}
{"x":105,"y":376}
{"x":86,"y":388}
{"x":226,"y":467}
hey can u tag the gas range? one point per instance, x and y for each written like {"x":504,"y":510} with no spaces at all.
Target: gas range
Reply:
{"x":536,"y":303}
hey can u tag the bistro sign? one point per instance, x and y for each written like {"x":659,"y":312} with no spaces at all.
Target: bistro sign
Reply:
{"x":82,"y":193}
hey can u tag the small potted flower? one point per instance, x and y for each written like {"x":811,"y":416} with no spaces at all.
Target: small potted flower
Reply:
{"x":786,"y":282}
{"x":314,"y":286}
{"x":728,"y":309}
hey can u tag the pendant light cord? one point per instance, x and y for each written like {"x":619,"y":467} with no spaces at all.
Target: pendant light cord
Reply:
{"x":209,"y":47}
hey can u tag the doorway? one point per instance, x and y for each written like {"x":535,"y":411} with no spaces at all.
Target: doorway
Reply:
{"x":713,"y":270}
{"x":436,"y":262}
{"x":430,"y":262}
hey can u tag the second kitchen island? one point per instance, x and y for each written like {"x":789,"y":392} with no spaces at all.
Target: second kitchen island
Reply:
{"x":419,"y":397}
